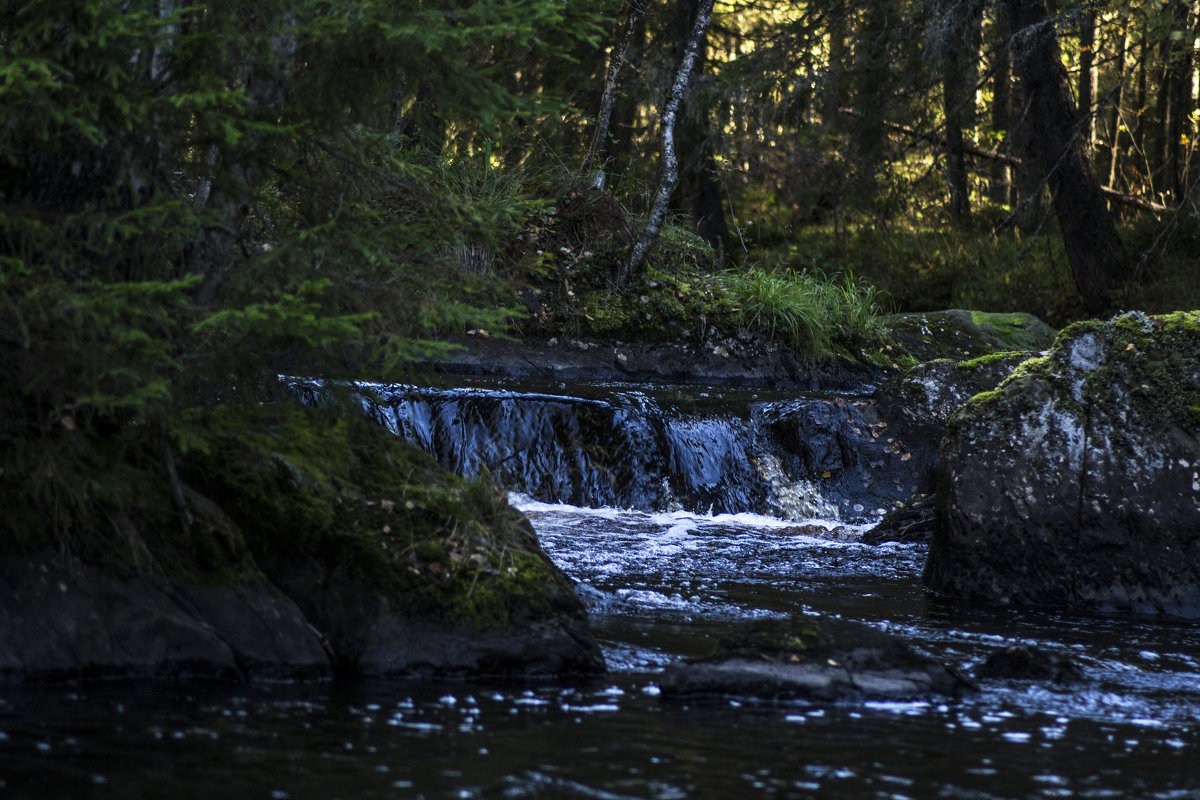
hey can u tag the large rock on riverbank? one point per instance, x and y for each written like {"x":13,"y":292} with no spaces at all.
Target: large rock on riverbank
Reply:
{"x":1077,"y":482}
{"x":963,"y":334}
{"x":313,"y":544}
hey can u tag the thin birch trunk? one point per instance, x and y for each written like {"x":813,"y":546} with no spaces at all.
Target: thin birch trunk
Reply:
{"x":1114,"y":120}
{"x":608,"y":100}
{"x":670,"y":163}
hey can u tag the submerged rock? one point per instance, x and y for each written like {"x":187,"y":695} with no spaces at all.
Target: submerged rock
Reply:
{"x":316,"y":544}
{"x":1077,"y":482}
{"x":814,"y":659}
{"x":1023,"y":663}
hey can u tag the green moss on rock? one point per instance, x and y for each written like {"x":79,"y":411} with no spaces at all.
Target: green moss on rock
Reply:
{"x":966,"y":335}
{"x":1073,"y":483}
{"x":305,"y":486}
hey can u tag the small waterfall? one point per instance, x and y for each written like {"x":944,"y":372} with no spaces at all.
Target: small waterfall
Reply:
{"x":794,"y":458}
{"x":554,"y":448}
{"x":792,"y":498}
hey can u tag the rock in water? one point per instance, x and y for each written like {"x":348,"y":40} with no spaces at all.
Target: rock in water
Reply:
{"x":1077,"y":482}
{"x":318,"y":543}
{"x":811,"y":659}
{"x":1024,"y":663}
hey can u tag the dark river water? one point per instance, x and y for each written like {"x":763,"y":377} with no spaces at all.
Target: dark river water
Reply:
{"x":659,"y":586}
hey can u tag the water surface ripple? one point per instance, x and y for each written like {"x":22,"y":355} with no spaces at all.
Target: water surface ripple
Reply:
{"x":659,"y":586}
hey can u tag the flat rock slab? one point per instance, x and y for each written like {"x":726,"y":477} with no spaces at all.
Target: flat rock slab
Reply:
{"x":811,"y":659}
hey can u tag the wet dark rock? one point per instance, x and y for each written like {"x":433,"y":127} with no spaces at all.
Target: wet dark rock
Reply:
{"x":908,"y":523}
{"x":811,"y":659}
{"x":712,"y":361}
{"x":868,"y":454}
{"x":1077,"y":482}
{"x":61,"y":618}
{"x":1023,"y":663}
{"x":851,"y":454}
{"x":918,"y":403}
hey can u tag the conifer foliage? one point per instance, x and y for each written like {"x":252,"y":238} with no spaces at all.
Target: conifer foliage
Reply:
{"x":197,"y":196}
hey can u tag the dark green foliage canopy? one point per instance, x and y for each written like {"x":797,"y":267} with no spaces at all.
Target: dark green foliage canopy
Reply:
{"x":199,"y":196}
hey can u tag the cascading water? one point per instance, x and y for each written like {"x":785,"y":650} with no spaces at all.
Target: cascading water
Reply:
{"x":625,"y":448}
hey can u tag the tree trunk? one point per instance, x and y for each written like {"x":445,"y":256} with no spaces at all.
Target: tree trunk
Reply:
{"x":699,"y":187}
{"x":834,"y":89}
{"x":669,"y":174}
{"x":1114,"y":117}
{"x":1029,"y":185}
{"x":999,"y":180}
{"x":608,"y":100}
{"x":1093,"y":248}
{"x":1139,"y":110}
{"x":1087,"y":75}
{"x":960,"y":53}
{"x":871,"y":87}
{"x":1178,"y":88}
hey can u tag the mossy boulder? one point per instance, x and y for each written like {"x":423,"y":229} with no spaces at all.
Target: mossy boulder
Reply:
{"x":811,"y":659}
{"x":402,"y":567}
{"x":64,"y":618}
{"x":1076,"y":483}
{"x":297,"y":544}
{"x":917,"y":404}
{"x":930,"y":392}
{"x":959,"y":334}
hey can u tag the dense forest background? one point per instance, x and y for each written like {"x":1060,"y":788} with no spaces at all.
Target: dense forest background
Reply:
{"x":199,"y":196}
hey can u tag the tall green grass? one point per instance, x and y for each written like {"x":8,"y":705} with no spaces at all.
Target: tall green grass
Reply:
{"x":806,"y":311}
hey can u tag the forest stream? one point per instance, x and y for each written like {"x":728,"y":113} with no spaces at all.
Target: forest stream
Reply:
{"x":697,"y":531}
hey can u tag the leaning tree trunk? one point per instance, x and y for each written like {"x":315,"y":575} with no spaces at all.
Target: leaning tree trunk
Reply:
{"x":1093,"y":248}
{"x":608,"y":100}
{"x":669,"y":174}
